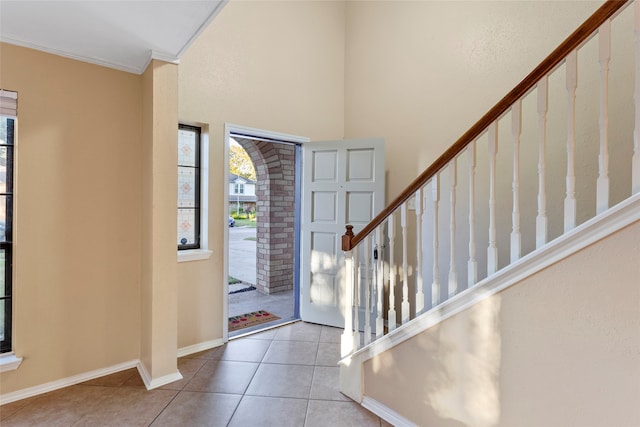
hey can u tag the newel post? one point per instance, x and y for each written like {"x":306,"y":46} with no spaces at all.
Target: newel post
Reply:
{"x":347,"y":342}
{"x":346,"y":238}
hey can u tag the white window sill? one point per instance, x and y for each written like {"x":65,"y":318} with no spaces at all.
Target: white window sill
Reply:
{"x":194,"y":255}
{"x":9,"y":362}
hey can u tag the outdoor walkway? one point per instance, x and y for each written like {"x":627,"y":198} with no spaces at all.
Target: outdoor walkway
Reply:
{"x":242,"y":266}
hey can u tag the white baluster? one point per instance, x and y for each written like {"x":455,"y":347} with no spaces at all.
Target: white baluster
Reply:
{"x":516,"y":130}
{"x":357,"y":298}
{"x":379,"y":283}
{"x":405,"y":267}
{"x":346,"y":341}
{"x":541,"y":219}
{"x":472,"y":264}
{"x":435,"y":286}
{"x":367,"y":290}
{"x":570,"y":199}
{"x":419,"y":242}
{"x":453,"y":182}
{"x":635,"y":161}
{"x":391,"y":318}
{"x":602,"y":193}
{"x":492,"y":250}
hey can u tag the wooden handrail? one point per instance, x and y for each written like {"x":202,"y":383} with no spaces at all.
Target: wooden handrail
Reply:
{"x":584,"y":31}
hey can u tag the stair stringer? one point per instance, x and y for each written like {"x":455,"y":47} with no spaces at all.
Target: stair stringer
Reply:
{"x":588,"y":233}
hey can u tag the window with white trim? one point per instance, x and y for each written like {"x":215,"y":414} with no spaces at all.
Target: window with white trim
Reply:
{"x":8,"y":110}
{"x":189,"y":203}
{"x":239,"y":188}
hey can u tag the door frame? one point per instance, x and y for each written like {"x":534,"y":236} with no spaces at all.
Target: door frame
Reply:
{"x":265,"y":135}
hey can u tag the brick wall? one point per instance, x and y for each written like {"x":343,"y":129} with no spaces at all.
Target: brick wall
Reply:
{"x":275,"y":170}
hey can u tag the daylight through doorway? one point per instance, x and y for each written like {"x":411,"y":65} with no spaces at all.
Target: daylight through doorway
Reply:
{"x":263,"y":242}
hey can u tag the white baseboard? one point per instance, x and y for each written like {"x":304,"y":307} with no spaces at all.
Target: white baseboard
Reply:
{"x":65,"y":382}
{"x":207,"y":345}
{"x":86,"y":376}
{"x":150,"y":384}
{"x":386,"y":413}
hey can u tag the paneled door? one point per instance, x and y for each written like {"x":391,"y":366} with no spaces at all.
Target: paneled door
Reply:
{"x":343,"y":183}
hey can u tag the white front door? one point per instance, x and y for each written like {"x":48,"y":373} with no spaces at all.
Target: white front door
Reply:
{"x":343,"y":183}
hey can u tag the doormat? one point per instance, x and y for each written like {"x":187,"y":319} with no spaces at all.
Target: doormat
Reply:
{"x":250,"y":319}
{"x":237,"y":291}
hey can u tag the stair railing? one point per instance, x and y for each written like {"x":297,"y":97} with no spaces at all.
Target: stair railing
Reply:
{"x":373,"y":292}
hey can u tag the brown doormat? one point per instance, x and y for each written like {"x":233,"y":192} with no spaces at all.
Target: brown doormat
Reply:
{"x":250,"y":319}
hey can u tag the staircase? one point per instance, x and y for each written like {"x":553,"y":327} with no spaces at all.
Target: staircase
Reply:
{"x":547,"y":176}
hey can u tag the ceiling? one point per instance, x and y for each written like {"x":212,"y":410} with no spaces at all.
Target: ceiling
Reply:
{"x":124,"y":35}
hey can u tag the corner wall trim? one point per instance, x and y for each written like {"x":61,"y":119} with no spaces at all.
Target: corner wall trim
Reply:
{"x":150,"y":384}
{"x":65,"y":382}
{"x":386,"y":413}
{"x":207,"y":345}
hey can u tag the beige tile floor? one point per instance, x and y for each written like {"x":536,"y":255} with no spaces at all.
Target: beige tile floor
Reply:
{"x":281,"y":377}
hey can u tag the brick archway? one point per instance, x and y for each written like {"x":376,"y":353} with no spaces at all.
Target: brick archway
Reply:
{"x":275,"y":212}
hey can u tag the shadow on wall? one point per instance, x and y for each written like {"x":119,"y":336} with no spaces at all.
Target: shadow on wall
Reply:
{"x":453,"y":380}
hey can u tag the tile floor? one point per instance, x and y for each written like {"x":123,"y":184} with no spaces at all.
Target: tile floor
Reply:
{"x":281,"y":377}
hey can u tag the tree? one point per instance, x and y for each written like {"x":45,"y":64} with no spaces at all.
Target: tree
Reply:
{"x":240,"y":163}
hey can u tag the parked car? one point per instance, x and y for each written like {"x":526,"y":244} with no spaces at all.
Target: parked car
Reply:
{"x":232,"y":222}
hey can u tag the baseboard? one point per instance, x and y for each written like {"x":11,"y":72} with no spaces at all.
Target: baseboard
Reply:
{"x":196,"y":348}
{"x":150,"y":384}
{"x":588,"y":233}
{"x":386,"y":413}
{"x":86,"y":376}
{"x":65,"y":382}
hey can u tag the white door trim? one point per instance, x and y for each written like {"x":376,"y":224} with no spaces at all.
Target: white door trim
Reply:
{"x":230,"y":128}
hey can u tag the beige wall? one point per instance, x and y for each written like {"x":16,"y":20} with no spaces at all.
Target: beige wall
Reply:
{"x":421,"y":73}
{"x":558,"y":349}
{"x":397,"y":70}
{"x":159,"y":187}
{"x":78,"y":216}
{"x":277,"y":66}
{"x":324,"y":70}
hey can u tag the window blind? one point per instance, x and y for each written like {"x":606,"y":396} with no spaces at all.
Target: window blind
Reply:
{"x":8,"y":103}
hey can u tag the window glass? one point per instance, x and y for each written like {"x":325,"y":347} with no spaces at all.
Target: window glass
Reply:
{"x":6,"y":211}
{"x":188,"y":187}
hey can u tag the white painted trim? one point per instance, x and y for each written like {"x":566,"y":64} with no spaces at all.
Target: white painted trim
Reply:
{"x":96,"y":61}
{"x":597,"y":228}
{"x":194,"y":255}
{"x":196,"y":348}
{"x":9,"y":362}
{"x":150,"y":384}
{"x":230,"y":128}
{"x":225,"y":243}
{"x":386,"y":413}
{"x":202,"y":27}
{"x":268,"y":328}
{"x":259,"y":133}
{"x":65,"y":382}
{"x":204,"y":252}
{"x":161,"y":56}
{"x":165,"y":57}
{"x":204,"y":186}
